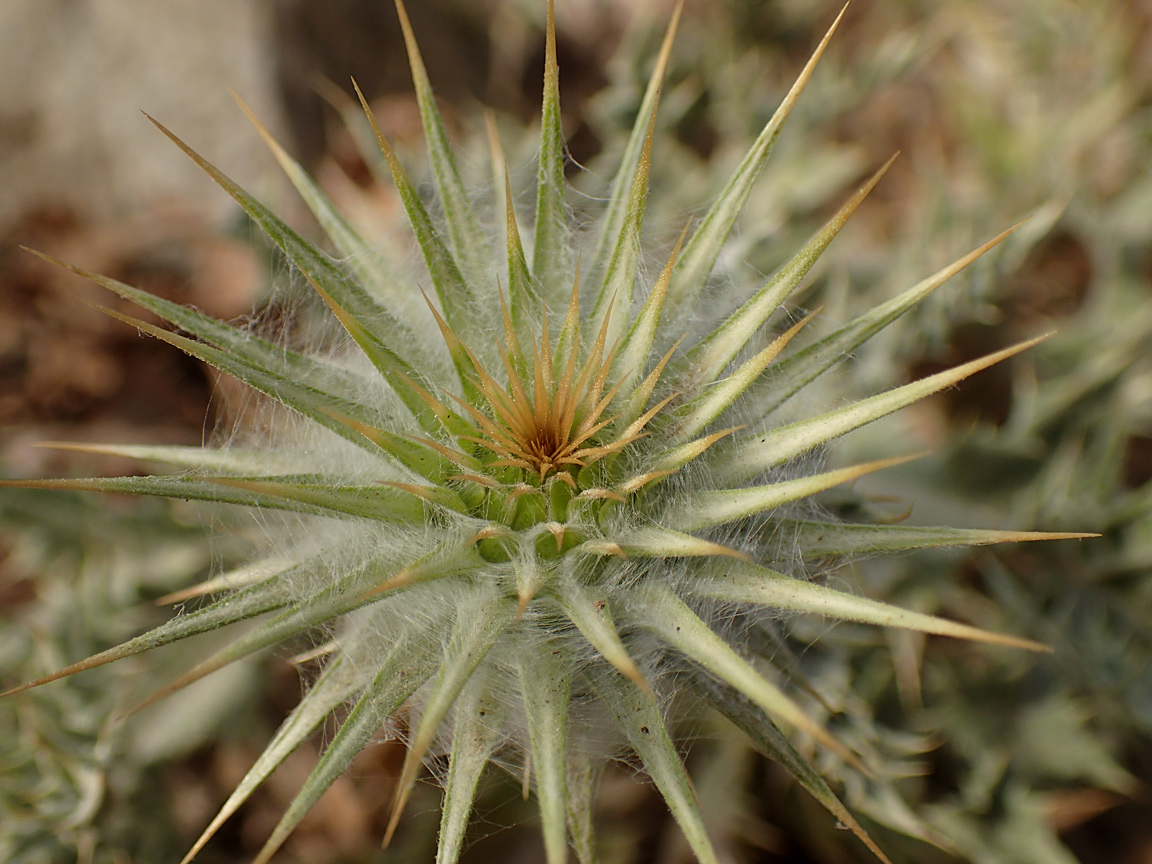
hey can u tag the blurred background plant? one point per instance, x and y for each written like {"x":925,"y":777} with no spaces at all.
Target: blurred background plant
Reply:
{"x":1001,"y":110}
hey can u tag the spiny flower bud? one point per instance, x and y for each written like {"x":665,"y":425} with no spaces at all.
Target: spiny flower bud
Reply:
{"x":552,"y":492}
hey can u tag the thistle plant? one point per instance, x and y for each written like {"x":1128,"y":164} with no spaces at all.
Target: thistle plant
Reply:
{"x":73,"y":781}
{"x":533,"y":505}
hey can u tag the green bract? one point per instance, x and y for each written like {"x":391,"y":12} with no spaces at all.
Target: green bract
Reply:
{"x":532,"y":501}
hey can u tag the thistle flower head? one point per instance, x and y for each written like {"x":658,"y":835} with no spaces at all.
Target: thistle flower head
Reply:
{"x":551,"y":493}
{"x":547,"y":424}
